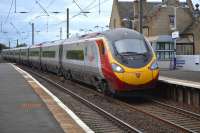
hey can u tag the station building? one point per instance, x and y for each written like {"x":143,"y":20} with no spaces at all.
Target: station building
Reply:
{"x":159,"y":23}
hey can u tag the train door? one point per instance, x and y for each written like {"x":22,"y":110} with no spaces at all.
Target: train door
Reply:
{"x":40,"y":57}
{"x":79,"y":61}
{"x":91,"y":61}
{"x":60,"y":58}
{"x":28,"y":58}
{"x":74,"y":61}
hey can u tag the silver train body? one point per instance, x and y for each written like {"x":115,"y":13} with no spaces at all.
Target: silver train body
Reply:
{"x":120,"y":59}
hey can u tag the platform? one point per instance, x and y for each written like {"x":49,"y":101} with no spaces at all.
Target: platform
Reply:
{"x":182,"y":86}
{"x":23,"y":110}
{"x":181,"y":75}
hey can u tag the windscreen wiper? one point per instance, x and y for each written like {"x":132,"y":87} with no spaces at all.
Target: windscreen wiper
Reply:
{"x":128,"y":53}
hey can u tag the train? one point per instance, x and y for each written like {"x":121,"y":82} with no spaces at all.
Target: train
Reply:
{"x":114,"y":61}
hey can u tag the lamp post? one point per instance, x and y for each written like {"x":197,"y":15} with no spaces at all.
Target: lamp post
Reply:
{"x":175,"y":37}
{"x":67,"y":23}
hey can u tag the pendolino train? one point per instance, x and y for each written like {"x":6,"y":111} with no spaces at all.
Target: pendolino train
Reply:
{"x":114,"y":61}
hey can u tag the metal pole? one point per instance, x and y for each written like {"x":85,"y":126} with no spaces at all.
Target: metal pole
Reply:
{"x":60,"y":33}
{"x":99,"y":7}
{"x":15,"y":7}
{"x":1,"y":26}
{"x":141,"y":16}
{"x":67,"y":23}
{"x":33,"y":30}
{"x":174,"y":38}
{"x":17,"y":43}
{"x":9,"y":44}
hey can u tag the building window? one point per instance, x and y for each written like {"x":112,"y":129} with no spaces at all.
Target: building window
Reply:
{"x":49,"y":54}
{"x":184,"y":49}
{"x":75,"y":54}
{"x":164,"y":50}
{"x":171,"y":21}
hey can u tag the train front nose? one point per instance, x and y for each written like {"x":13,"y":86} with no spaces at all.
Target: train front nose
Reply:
{"x":137,"y":79}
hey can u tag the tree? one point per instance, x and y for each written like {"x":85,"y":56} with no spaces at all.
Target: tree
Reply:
{"x":2,"y":46}
{"x":21,"y":45}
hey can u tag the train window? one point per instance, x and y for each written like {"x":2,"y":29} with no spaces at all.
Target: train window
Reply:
{"x":49,"y":54}
{"x":17,"y":53}
{"x":34,"y":53}
{"x":75,"y":54}
{"x":23,"y":53}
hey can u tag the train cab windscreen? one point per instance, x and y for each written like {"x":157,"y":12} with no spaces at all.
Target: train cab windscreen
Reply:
{"x":131,"y":46}
{"x":132,"y":52}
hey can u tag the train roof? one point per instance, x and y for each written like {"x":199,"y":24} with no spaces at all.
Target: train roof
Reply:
{"x":5,"y":49}
{"x":24,"y":47}
{"x":122,"y":33}
{"x":52,"y":43}
{"x":112,"y":35}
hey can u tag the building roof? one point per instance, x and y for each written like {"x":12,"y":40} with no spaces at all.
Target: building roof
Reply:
{"x":125,"y":10}
{"x":161,"y":38}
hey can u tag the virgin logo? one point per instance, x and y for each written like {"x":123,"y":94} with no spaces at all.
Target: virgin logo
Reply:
{"x":137,"y":74}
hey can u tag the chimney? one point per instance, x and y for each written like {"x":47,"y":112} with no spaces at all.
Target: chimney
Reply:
{"x":172,"y":2}
{"x":163,"y":2}
{"x":136,"y":9}
{"x":190,"y":5}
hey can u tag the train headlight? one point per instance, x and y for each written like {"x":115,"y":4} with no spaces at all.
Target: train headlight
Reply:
{"x":117,"y":68}
{"x":154,"y":65}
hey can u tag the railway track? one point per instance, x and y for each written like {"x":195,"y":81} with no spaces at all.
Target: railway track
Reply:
{"x":183,"y":120}
{"x":95,"y":117}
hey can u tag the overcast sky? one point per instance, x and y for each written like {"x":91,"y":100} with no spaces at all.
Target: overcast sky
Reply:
{"x":18,"y":25}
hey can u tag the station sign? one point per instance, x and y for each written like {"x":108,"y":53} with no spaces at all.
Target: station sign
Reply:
{"x":175,"y":34}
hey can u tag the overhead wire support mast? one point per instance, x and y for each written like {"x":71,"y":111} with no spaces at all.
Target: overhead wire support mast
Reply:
{"x":1,"y":26}
{"x":33,"y":31}
{"x":9,"y":11}
{"x":67,"y":24}
{"x":99,"y":7}
{"x":15,"y":6}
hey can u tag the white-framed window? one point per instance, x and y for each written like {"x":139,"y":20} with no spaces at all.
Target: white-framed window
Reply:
{"x":184,"y":49}
{"x":164,"y":50}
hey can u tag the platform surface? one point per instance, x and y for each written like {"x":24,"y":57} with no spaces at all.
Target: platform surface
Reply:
{"x":181,"y":75}
{"x":21,"y":109}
